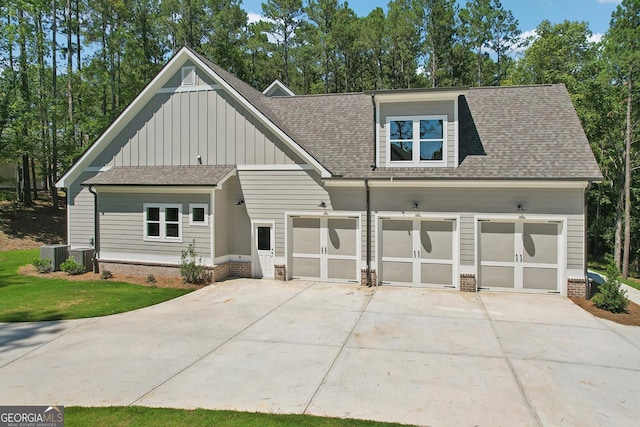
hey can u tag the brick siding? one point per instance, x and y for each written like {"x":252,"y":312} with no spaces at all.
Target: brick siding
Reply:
{"x":576,"y":287}
{"x":468,"y":282}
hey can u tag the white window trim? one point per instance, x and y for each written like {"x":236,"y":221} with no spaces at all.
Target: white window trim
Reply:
{"x":163,"y":229}
{"x":186,"y":72}
{"x":416,"y":162}
{"x":206,"y":214}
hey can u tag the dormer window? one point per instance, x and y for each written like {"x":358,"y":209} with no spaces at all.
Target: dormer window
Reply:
{"x":189,"y":76}
{"x":417,"y":140}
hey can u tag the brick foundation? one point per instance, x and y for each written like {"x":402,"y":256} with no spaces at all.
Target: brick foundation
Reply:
{"x":576,"y":287}
{"x":468,"y":282}
{"x":363,"y":277}
{"x":218,"y":273}
{"x":280,"y":272}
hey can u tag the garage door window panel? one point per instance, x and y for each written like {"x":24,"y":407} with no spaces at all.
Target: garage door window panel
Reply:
{"x":435,"y":240}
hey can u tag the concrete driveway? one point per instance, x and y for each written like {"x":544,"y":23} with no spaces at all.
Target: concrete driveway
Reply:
{"x":392,"y":354}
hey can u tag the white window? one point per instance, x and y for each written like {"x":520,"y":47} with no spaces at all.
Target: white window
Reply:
{"x":162,"y":222}
{"x":198,"y":214}
{"x":417,"y":141}
{"x":188,"y":76}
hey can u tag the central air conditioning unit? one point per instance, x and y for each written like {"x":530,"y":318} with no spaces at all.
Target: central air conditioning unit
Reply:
{"x":56,"y":253}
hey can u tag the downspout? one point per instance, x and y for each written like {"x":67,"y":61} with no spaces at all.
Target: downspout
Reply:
{"x":96,"y":230}
{"x":587,"y":285}
{"x":366,"y":186}
{"x":368,"y":191}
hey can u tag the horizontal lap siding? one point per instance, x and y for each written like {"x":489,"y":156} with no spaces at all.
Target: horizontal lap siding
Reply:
{"x":269,"y":194}
{"x":122,"y":225}
{"x":470,"y":202}
{"x":80,"y":213}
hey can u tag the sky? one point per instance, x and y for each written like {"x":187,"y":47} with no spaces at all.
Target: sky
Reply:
{"x":529,"y":13}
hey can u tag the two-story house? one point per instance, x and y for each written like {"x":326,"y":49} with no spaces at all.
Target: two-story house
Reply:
{"x":462,"y":188}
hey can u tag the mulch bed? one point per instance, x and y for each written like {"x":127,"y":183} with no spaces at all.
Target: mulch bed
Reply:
{"x":630,"y":317}
{"x":160,"y":282}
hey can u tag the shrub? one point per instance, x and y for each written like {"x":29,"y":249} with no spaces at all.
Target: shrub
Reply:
{"x":611,"y":296}
{"x":42,"y":265}
{"x":106,"y":274}
{"x":71,"y":267}
{"x":151,"y":278}
{"x":191,"y":268}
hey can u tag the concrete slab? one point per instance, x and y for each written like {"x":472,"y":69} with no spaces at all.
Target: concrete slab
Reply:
{"x":431,"y":334}
{"x":422,"y":389}
{"x":248,"y":376}
{"x":421,"y":301}
{"x":535,"y":308}
{"x":632,"y":293}
{"x":18,"y":339}
{"x":392,"y":354}
{"x":572,"y":394}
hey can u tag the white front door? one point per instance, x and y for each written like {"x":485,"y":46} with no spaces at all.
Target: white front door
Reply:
{"x":263,"y":240}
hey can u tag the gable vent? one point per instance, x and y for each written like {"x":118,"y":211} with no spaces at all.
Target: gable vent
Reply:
{"x":189,"y":76}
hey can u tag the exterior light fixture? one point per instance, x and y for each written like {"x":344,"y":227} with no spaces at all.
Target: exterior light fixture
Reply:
{"x":240,"y":202}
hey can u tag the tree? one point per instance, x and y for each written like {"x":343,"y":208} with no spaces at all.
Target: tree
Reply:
{"x":404,"y":40}
{"x":503,"y":28}
{"x":284,"y":19}
{"x":622,"y":49}
{"x":437,"y":25}
{"x":476,"y":28}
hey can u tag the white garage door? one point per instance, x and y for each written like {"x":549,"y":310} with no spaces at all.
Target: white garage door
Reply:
{"x":521,"y":256}
{"x":417,"y":252}
{"x":325,"y":248}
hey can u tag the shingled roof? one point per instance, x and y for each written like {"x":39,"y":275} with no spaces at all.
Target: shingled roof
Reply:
{"x":162,"y":176}
{"x":518,"y":132}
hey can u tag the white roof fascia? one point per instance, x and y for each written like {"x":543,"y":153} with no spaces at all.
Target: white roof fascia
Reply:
{"x":258,"y":114}
{"x":278,"y":84}
{"x":409,"y":96}
{"x":123,"y":119}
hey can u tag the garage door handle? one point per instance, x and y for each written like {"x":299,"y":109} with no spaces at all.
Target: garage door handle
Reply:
{"x":520,"y":257}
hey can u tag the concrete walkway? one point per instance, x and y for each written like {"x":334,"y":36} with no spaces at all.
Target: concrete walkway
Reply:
{"x":440,"y":358}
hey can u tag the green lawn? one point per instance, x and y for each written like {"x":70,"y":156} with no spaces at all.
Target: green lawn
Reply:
{"x":600,"y":270}
{"x":139,"y":416}
{"x":28,"y":299}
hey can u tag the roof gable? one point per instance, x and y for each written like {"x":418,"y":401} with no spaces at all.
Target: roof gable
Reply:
{"x":244,"y":94}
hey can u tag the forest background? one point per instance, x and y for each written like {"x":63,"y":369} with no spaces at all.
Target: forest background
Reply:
{"x":69,"y":67}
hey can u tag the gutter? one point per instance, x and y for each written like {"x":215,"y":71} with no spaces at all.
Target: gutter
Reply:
{"x":96,"y":230}
{"x":586,"y":229}
{"x":366,"y":186}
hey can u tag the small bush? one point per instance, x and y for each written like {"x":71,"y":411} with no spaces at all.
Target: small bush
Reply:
{"x":106,"y":274}
{"x":151,"y":278}
{"x":191,"y":268}
{"x":71,"y":267}
{"x":42,"y":265}
{"x":610,"y":296}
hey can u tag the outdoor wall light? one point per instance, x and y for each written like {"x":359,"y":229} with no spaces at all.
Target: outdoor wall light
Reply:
{"x":415,"y":205}
{"x":199,"y":159}
{"x":240,"y":202}
{"x":520,"y":207}
{"x":322,"y":205}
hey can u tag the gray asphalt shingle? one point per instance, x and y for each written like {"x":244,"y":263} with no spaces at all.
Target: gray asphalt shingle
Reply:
{"x":162,"y":175}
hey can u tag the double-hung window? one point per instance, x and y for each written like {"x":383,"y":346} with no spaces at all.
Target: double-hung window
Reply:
{"x":417,"y":141}
{"x":163,"y":222}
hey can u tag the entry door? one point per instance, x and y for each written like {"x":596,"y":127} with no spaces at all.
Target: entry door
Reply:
{"x":325,"y":248}
{"x":519,"y":255}
{"x":418,"y":252}
{"x":264,"y":244}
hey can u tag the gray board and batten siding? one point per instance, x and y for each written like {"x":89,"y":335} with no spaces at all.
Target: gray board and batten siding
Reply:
{"x":175,"y":128}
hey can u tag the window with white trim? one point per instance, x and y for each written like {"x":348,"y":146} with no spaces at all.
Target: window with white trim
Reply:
{"x":417,"y":141}
{"x":198,"y":214}
{"x":162,"y":222}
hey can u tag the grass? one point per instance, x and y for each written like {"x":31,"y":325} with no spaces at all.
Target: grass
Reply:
{"x":7,"y":194}
{"x":137,"y":416}
{"x":634,"y":283}
{"x":29,"y":299}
